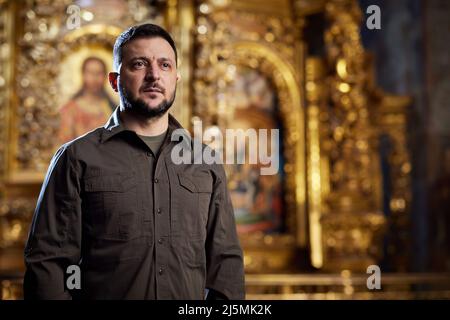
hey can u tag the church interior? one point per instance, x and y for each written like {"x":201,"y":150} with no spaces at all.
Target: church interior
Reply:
{"x":358,"y":89}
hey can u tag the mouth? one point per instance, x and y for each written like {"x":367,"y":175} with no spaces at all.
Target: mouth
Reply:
{"x":153,"y":90}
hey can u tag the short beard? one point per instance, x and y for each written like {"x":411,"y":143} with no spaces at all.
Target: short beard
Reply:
{"x":140,"y":107}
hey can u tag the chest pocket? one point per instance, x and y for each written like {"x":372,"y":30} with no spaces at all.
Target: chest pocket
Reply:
{"x":110,"y":206}
{"x":193,"y":197}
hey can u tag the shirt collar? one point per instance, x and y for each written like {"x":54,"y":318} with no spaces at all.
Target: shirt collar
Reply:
{"x":114,"y":126}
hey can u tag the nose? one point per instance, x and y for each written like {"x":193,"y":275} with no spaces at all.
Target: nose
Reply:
{"x":152,"y":72}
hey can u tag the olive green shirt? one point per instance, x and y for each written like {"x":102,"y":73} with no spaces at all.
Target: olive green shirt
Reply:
{"x":138,"y":227}
{"x":154,"y":142}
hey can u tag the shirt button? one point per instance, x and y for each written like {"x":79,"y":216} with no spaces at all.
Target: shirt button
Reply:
{"x":160,"y":240}
{"x":149,"y":154}
{"x":159,"y":210}
{"x":161,"y":270}
{"x":156,"y":180}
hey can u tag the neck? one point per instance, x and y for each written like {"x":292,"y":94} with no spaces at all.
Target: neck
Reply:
{"x":143,"y":126}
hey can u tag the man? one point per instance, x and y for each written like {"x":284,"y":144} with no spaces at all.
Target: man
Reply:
{"x":114,"y":203}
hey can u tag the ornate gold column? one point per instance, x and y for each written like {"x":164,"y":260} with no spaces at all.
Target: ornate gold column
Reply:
{"x":316,"y":94}
{"x":391,"y":120}
{"x":353,"y":224}
{"x":6,"y":78}
{"x":179,"y":21}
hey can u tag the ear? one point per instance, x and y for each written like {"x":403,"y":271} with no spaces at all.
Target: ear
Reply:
{"x":178,"y":76}
{"x":112,"y":76}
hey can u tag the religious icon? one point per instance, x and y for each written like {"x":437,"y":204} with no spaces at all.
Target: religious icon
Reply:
{"x":257,"y":199}
{"x":90,"y":106}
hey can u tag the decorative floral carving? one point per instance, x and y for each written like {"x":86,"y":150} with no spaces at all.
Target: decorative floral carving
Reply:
{"x":353,"y":227}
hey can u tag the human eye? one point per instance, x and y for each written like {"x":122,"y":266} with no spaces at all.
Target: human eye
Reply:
{"x":138,"y":64}
{"x":166,"y":65}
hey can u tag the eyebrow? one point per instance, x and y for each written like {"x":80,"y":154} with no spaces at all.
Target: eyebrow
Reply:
{"x":148,"y":60}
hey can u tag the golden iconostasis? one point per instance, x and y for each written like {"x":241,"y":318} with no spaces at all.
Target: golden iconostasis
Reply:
{"x":296,"y":66}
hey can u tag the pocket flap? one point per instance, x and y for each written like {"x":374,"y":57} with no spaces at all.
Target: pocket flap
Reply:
{"x":196,"y":183}
{"x":111,"y":183}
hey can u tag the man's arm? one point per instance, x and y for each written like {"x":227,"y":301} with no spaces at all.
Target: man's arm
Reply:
{"x":224,"y":261}
{"x":54,"y":240}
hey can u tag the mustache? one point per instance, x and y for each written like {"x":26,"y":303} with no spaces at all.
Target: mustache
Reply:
{"x":154,"y":86}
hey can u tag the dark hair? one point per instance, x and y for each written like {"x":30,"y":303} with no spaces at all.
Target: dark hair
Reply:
{"x":142,"y":31}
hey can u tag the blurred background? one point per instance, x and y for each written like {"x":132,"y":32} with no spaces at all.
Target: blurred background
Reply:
{"x":359,"y":90}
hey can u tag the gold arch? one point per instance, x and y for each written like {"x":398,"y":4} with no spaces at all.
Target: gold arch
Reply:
{"x":292,"y":113}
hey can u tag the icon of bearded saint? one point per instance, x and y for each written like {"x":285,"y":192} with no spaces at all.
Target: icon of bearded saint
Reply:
{"x":90,"y":107}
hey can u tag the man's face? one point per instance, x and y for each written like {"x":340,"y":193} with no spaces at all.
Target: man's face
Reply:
{"x":148,"y":76}
{"x":94,"y":75}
